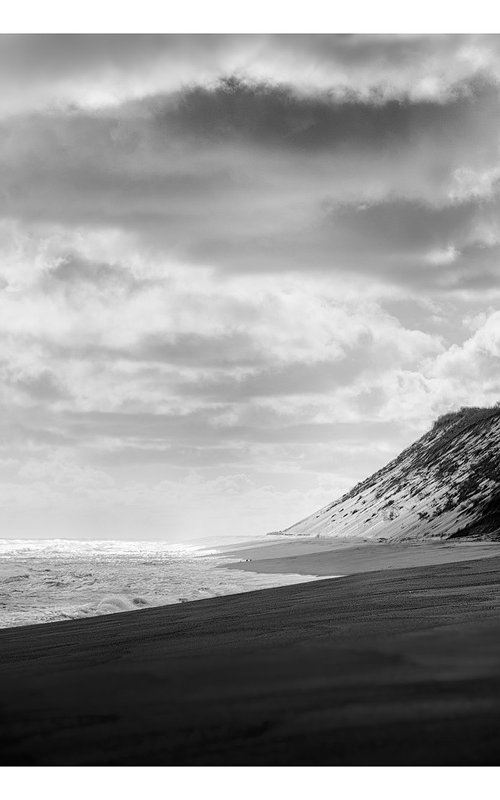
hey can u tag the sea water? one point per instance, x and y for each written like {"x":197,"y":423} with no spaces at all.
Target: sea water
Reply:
{"x":51,"y":580}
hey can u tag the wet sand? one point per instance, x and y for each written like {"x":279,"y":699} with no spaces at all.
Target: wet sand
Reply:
{"x":400,"y":666}
{"x":326,"y":557}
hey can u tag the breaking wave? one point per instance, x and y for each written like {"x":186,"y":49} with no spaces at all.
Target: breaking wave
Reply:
{"x":111,"y":604}
{"x":46,"y":581}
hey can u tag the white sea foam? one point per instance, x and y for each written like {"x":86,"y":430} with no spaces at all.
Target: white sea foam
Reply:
{"x":50,"y":580}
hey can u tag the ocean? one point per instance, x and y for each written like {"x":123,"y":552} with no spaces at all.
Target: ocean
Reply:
{"x":58,"y":579}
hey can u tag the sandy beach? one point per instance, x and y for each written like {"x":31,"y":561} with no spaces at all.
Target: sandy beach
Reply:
{"x":323,"y":557}
{"x":396,"y":666}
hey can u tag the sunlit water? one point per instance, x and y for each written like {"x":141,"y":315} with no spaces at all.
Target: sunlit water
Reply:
{"x":46,"y":581}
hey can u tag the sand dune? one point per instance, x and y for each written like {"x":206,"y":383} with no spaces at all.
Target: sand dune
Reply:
{"x":445,"y":484}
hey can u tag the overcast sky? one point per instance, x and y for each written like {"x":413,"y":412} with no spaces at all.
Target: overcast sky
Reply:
{"x":238,"y":273}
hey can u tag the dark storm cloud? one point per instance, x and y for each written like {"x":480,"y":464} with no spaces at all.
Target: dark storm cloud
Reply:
{"x":188,"y":173}
{"x":270,"y":115}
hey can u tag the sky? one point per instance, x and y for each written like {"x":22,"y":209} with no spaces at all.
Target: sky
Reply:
{"x":238,"y":273}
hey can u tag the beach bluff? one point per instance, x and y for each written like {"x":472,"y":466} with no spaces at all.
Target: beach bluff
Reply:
{"x":446,"y":485}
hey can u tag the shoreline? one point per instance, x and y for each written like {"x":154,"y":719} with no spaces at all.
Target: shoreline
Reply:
{"x":42,"y":582}
{"x":323,"y":558}
{"x":255,"y":565}
{"x":396,"y":667}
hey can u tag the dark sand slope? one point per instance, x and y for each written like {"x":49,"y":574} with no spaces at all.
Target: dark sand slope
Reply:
{"x":395,"y":667}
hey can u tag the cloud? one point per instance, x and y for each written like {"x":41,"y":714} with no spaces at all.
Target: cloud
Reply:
{"x":274,"y":115}
{"x":473,"y":367}
{"x":101,"y":70}
{"x":237,"y":273}
{"x":379,"y":188}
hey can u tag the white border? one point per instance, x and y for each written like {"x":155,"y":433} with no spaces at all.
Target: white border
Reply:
{"x":260,"y":16}
{"x":247,"y":783}
{"x":257,"y":17}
